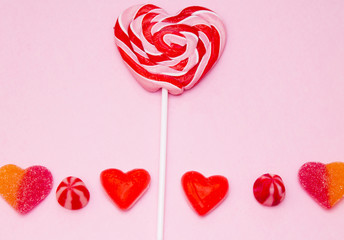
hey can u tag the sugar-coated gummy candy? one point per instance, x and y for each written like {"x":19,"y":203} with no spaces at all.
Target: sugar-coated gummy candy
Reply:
{"x":204,"y":194}
{"x":125,"y":188}
{"x":336,"y":181}
{"x":72,"y":193}
{"x":269,"y":189}
{"x":323,"y":182}
{"x":24,"y":189}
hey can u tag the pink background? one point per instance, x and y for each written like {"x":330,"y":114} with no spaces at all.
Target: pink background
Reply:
{"x":273,"y":102}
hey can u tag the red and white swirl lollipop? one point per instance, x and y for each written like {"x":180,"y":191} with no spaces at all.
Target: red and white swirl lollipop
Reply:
{"x":168,"y":52}
{"x":171,"y":52}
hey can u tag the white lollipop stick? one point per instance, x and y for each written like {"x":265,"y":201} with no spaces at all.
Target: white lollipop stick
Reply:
{"x":172,"y":74}
{"x":162,"y":163}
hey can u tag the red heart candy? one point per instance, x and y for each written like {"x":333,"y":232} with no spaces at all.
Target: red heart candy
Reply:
{"x":125,"y":188}
{"x":166,"y":51}
{"x":203,"y":193}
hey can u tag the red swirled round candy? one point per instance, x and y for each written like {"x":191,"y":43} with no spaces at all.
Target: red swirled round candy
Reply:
{"x":171,"y":52}
{"x":269,"y":190}
{"x":72,"y":193}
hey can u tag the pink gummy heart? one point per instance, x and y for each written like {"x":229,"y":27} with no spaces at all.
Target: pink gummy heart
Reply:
{"x":25,"y":189}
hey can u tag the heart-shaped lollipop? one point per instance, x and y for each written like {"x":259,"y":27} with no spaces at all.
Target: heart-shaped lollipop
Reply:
{"x":168,"y":52}
{"x":171,"y":52}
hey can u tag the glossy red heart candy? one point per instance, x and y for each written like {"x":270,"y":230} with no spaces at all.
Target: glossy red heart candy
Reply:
{"x":203,"y":193}
{"x":125,"y":188}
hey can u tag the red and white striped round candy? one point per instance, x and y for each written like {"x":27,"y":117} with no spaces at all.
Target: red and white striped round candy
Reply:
{"x":269,"y":189}
{"x":172,"y":52}
{"x":72,"y":193}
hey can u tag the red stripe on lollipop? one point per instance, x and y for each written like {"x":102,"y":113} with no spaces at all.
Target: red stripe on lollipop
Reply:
{"x":145,"y":9}
{"x":185,"y":13}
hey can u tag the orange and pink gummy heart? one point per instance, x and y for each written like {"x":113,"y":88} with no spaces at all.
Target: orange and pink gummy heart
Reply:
{"x":24,"y":189}
{"x":323,"y":182}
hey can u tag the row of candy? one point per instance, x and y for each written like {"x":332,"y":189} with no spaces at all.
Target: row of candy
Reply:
{"x":24,"y":189}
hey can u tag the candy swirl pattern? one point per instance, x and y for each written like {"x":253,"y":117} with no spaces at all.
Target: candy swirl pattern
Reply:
{"x":72,"y":193}
{"x":269,"y":190}
{"x":172,"y":52}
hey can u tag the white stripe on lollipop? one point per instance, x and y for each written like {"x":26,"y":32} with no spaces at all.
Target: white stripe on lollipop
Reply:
{"x":68,"y":203}
{"x":202,"y":64}
{"x":59,"y":192}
